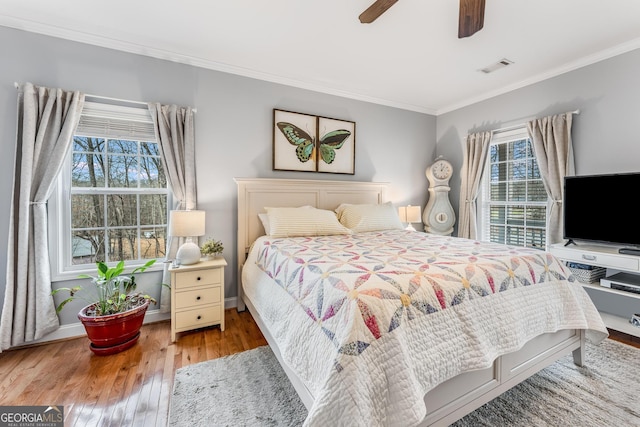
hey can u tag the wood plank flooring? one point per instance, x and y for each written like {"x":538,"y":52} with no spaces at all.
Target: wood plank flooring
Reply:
{"x":132,"y":388}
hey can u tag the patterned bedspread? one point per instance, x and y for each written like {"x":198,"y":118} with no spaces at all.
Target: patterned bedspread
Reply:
{"x":372,"y":321}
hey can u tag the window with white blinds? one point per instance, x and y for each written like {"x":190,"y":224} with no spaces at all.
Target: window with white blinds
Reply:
{"x":115,"y":121}
{"x":112,"y":199}
{"x":513,"y":200}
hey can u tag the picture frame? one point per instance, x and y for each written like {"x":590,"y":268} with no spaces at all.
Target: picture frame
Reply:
{"x":294,"y":136}
{"x":309,"y":143}
{"x":336,"y":146}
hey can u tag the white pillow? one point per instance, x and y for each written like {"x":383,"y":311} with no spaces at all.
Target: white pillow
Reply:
{"x":360,"y":218}
{"x":294,"y":222}
{"x":264,"y":219}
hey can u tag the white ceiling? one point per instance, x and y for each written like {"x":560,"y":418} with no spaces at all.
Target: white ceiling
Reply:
{"x":409,"y":58}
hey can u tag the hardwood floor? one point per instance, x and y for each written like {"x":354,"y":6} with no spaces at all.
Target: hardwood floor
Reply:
{"x":624,"y":338}
{"x":131,"y":388}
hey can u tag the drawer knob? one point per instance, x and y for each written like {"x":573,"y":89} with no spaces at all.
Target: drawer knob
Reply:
{"x":199,"y":317}
{"x":198,"y":278}
{"x":198,"y":298}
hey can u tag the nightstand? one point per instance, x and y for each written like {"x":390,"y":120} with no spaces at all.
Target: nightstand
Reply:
{"x":197,"y":296}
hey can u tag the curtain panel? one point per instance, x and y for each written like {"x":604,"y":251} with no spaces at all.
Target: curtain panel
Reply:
{"x":475,"y":156}
{"x":175,"y":133}
{"x":551,"y":138}
{"x":47,"y":119}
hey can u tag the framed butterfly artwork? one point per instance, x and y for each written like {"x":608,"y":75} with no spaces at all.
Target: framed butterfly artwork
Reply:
{"x":303,"y":142}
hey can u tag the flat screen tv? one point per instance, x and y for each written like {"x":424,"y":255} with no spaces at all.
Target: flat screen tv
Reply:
{"x":603,"y":208}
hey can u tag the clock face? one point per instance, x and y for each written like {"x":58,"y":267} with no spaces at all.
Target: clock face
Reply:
{"x":441,"y":169}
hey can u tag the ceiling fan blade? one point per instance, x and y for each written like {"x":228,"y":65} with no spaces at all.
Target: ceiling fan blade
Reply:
{"x":375,"y":10}
{"x":471,"y":17}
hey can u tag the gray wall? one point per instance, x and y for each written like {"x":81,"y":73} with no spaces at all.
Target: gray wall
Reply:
{"x":234,"y":120}
{"x":233,"y":127}
{"x":605,"y":135}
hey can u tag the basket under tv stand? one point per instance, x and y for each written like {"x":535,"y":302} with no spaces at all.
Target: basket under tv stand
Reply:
{"x":615,"y":306}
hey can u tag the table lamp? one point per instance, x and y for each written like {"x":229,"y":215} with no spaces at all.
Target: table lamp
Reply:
{"x":187,"y":224}
{"x":409,"y":214}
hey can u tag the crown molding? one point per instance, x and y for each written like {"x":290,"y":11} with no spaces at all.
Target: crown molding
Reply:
{"x":570,"y":66}
{"x":167,"y":55}
{"x":110,"y":43}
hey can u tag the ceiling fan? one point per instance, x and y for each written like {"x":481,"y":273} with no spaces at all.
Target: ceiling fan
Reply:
{"x":470,"y":21}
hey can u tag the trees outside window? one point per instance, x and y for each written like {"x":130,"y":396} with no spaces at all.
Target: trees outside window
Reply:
{"x":118,"y":201}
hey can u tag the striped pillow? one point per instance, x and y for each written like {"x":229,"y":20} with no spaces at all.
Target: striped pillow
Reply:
{"x":361,"y":218}
{"x":293,"y":222}
{"x":264,"y":219}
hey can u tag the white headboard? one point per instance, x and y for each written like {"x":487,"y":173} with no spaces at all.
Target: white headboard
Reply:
{"x":256,"y":193}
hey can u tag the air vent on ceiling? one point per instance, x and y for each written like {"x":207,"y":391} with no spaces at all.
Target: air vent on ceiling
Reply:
{"x":493,"y":67}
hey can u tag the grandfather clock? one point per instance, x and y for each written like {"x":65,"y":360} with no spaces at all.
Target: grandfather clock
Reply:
{"x":439,"y":216}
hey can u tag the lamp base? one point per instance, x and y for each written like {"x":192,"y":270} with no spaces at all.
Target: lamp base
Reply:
{"x":410,"y":227}
{"x":188,"y":253}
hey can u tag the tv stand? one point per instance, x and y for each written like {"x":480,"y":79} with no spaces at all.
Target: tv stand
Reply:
{"x":570,"y":242}
{"x":615,"y":306}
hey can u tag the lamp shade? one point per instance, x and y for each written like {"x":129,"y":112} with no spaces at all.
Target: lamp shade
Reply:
{"x":409,"y":213}
{"x":413,"y":214}
{"x":186,"y":223}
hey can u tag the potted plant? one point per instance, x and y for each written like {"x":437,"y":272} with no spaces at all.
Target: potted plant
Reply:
{"x":115,"y":313}
{"x":211,"y":248}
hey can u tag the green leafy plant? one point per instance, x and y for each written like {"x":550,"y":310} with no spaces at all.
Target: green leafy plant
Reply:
{"x":212,"y":247}
{"x":114,"y":291}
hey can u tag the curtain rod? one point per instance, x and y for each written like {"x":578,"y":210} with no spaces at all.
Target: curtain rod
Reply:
{"x":508,"y":128}
{"x":106,"y":98}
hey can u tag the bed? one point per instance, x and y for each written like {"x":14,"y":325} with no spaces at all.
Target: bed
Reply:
{"x":392,"y":327}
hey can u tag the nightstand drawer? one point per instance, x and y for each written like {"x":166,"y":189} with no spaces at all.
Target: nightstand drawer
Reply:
{"x":192,"y":319}
{"x":195,"y":298}
{"x":189,"y":279}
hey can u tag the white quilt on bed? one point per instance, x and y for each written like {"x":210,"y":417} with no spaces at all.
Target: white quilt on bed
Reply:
{"x":372,"y":321}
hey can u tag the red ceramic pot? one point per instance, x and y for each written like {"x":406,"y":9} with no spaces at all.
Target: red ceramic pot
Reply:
{"x":113,"y":333}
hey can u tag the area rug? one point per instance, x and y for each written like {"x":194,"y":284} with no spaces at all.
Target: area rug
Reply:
{"x":244,"y":389}
{"x":251,"y":389}
{"x":605,"y":392}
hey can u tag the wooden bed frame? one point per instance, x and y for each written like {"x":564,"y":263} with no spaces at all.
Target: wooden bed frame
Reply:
{"x":450,"y":400}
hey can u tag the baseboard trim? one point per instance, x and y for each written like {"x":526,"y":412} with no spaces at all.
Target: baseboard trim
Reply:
{"x":76,"y":330}
{"x":230,"y":303}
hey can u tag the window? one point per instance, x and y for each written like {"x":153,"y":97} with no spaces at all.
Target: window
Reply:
{"x":513,"y":200}
{"x":113,"y":196}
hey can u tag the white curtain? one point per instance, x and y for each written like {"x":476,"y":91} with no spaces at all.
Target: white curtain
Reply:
{"x":551,"y":137}
{"x":47,"y":119}
{"x":175,"y":133}
{"x":475,"y":156}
